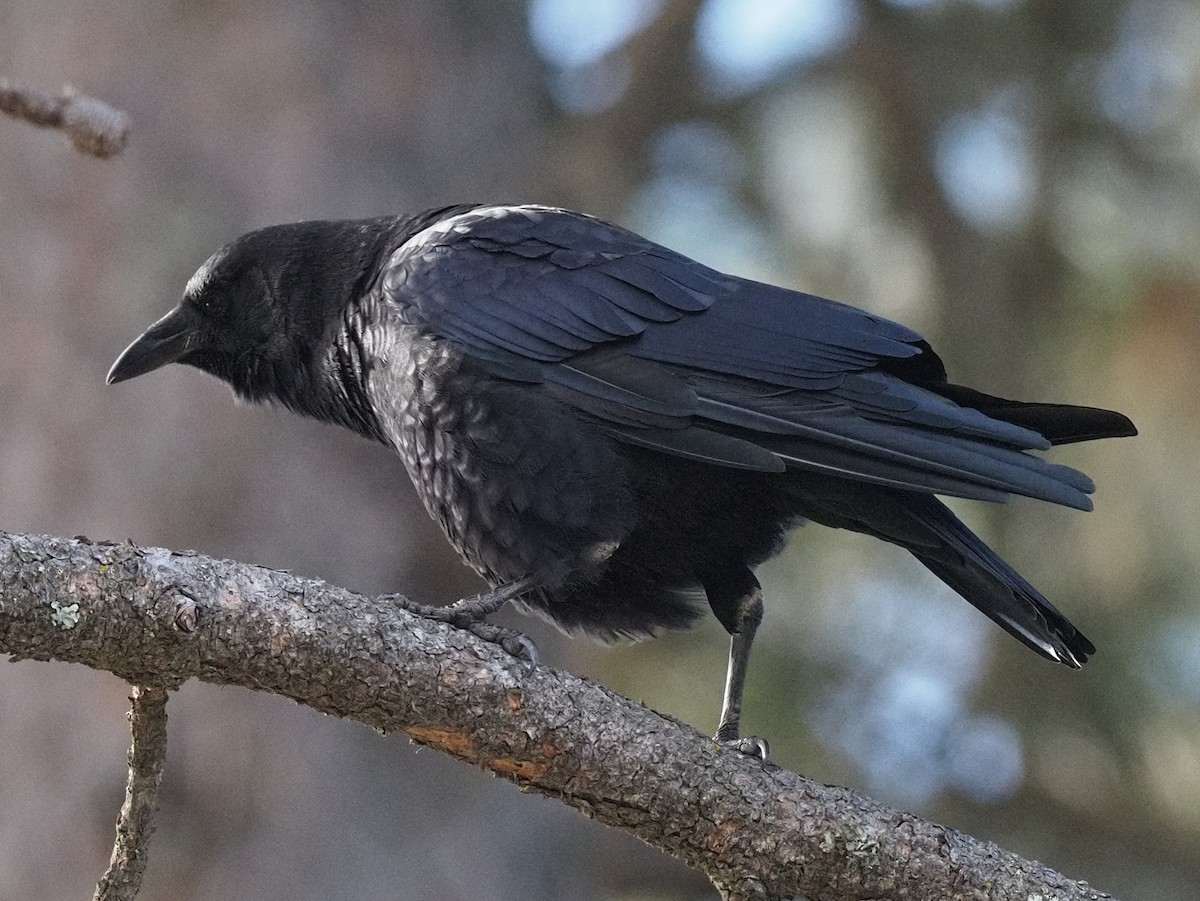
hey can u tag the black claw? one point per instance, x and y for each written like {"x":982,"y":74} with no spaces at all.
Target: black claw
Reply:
{"x":523,"y":648}
{"x":750,"y":746}
{"x":512,"y":641}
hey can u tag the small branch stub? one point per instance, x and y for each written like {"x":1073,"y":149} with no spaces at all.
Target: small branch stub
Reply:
{"x":185,"y":614}
{"x":92,"y":126}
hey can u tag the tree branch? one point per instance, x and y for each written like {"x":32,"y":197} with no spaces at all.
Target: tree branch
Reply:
{"x":148,"y":722}
{"x":158,"y":618}
{"x":92,"y":126}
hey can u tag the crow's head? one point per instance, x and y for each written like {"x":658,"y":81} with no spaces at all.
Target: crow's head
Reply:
{"x":263,"y":311}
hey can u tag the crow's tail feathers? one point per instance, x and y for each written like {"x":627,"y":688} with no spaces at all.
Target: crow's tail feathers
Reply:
{"x":976,"y":572}
{"x":925,"y":527}
{"x":1058,"y":423}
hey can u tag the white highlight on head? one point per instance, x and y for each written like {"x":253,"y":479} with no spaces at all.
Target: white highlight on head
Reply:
{"x":201,"y":278}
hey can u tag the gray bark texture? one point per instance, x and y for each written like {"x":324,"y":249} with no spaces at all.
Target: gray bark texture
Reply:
{"x":158,"y":618}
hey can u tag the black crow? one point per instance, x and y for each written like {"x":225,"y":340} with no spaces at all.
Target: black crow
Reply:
{"x":607,"y":430}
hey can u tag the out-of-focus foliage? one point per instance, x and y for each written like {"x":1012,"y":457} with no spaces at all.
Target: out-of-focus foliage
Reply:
{"x":1016,"y":178}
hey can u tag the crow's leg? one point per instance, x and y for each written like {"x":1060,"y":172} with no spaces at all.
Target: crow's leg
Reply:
{"x":469,"y":614}
{"x":750,"y":610}
{"x":736,"y":599}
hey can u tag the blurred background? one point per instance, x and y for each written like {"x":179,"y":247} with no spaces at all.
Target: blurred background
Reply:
{"x":1017,"y":179}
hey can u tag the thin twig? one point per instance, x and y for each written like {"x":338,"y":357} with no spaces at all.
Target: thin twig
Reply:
{"x":92,"y":126}
{"x":148,"y":722}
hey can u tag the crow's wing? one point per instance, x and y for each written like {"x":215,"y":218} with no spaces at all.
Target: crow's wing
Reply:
{"x":669,"y":354}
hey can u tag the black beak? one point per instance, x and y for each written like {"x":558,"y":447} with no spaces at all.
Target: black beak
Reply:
{"x":166,"y":341}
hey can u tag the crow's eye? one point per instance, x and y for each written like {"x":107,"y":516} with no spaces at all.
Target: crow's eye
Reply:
{"x":212,"y":296}
{"x":202,"y":304}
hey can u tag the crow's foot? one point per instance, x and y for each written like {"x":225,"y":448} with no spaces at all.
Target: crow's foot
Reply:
{"x":469,"y":614}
